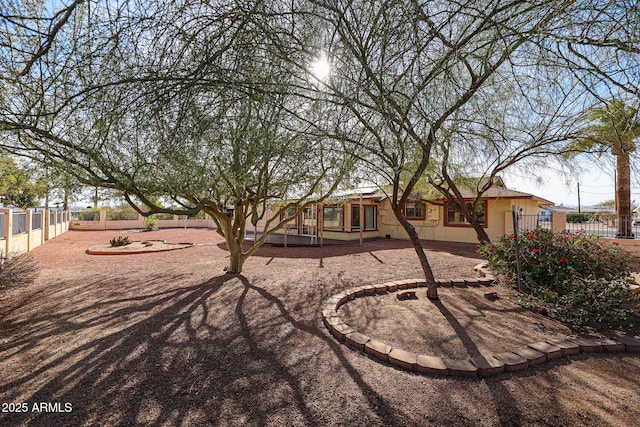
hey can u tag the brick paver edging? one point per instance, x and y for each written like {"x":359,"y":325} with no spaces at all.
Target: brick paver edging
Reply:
{"x":483,"y":366}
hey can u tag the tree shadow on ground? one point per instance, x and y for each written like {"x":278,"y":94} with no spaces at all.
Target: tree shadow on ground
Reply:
{"x":468,"y":250}
{"x":508,"y":410}
{"x":219,"y":352}
{"x":227,"y":351}
{"x":467,"y":320}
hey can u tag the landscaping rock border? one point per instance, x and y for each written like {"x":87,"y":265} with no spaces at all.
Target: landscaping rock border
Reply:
{"x":482,"y":366}
{"x":137,"y":247}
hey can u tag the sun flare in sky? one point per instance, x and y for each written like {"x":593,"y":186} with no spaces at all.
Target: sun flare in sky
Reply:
{"x":320,"y":68}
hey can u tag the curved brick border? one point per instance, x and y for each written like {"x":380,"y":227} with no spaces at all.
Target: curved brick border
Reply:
{"x":521,"y":358}
{"x":108,"y":250}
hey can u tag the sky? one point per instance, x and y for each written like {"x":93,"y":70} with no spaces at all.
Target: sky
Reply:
{"x":596,"y":186}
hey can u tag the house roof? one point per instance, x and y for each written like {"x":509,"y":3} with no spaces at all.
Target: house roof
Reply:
{"x":498,"y":191}
{"x":503,"y":193}
{"x":368,"y":193}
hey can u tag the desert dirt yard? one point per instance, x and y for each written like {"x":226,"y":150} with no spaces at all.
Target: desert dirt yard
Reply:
{"x":168,"y":339}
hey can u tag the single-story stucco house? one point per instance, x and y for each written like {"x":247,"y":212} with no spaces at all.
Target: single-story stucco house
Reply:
{"x":340,"y":219}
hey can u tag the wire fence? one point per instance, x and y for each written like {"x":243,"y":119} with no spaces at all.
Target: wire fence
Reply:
{"x":86,"y":216}
{"x":197,"y":217}
{"x":602,"y":225}
{"x":19,"y":224}
{"x":607,"y":225}
{"x":532,"y":222}
{"x":122,"y":216}
{"x":164,"y":217}
{"x":22,"y":231}
{"x":36,"y":220}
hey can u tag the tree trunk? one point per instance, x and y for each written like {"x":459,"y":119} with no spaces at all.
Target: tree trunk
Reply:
{"x":432,"y":288}
{"x":95,"y":198}
{"x":65,"y":204}
{"x":234,"y":244}
{"x":623,"y":191}
{"x":469,"y":214}
{"x":236,"y":262}
{"x":236,"y":256}
{"x":481,"y":233}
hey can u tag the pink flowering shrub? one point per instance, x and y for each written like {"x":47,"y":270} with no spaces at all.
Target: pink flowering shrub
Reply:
{"x":571,"y":276}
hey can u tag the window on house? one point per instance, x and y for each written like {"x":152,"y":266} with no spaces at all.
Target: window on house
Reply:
{"x":355,"y":217}
{"x":370,"y":213}
{"x":290,"y":212}
{"x":332,"y":218}
{"x":454,"y":215}
{"x":415,"y":210}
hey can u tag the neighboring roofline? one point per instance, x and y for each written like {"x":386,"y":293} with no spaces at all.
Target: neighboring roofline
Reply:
{"x":559,"y":208}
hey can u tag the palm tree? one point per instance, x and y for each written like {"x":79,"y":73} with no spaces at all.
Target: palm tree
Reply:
{"x":614,"y":127}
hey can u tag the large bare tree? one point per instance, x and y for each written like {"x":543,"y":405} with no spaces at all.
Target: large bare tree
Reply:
{"x":504,"y":128}
{"x":403,"y":70}
{"x":180,"y":106}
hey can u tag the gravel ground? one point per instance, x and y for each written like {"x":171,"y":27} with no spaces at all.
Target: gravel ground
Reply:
{"x":168,"y":339}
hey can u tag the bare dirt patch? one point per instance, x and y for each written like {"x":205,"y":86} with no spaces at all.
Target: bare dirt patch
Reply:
{"x":169,"y":339}
{"x":461,"y":325}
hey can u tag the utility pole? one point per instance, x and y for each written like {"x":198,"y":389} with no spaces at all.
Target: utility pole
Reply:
{"x":579,"y":197}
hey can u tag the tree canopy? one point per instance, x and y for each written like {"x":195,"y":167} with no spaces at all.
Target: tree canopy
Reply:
{"x":214,"y":105}
{"x":181,"y":107}
{"x":19,"y":186}
{"x":453,"y":89}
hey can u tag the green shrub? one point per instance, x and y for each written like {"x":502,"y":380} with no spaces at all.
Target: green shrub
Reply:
{"x":574,"y":277}
{"x":88,"y":215}
{"x":120,"y":241}
{"x":578,"y":217}
{"x":164,"y":216}
{"x":150,"y":223}
{"x":121,"y":216}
